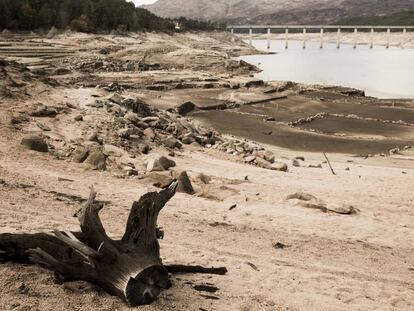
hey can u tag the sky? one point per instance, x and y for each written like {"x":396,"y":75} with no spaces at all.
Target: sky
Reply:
{"x":141,"y":2}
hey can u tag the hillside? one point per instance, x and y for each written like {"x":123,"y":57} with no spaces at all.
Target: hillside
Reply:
{"x":279,"y":11}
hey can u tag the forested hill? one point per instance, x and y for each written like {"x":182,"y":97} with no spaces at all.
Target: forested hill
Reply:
{"x":84,"y":15}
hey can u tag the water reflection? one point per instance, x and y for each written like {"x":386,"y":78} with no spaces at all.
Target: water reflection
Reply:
{"x":381,"y":72}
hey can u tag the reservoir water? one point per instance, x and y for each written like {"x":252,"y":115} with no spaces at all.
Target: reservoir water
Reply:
{"x":381,"y":72}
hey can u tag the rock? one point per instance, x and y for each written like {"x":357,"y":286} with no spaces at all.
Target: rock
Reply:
{"x":43,"y":127}
{"x":138,"y":106}
{"x":159,"y":164}
{"x":62,"y":71}
{"x":184,"y":183}
{"x":132,"y":117}
{"x":172,"y":143}
{"x":149,"y":132}
{"x":159,"y":180}
{"x":188,"y":140}
{"x":78,"y":118}
{"x":249,"y":159}
{"x":344,"y":209}
{"x":297,"y":163}
{"x":96,"y":160}
{"x":279,"y":166}
{"x":35,"y":143}
{"x":150,"y":119}
{"x":315,"y":165}
{"x":263,"y":163}
{"x":204,"y":178}
{"x":14,"y":120}
{"x":44,"y":111}
{"x":80,"y":154}
{"x":269,"y":156}
{"x":94,"y":137}
{"x":186,"y":108}
{"x":115,"y":98}
{"x":113,"y":151}
{"x":144,"y":148}
{"x":301,"y":196}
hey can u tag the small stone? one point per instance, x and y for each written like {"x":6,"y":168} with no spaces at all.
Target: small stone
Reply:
{"x":80,"y":154}
{"x":249,"y":159}
{"x":96,"y":160}
{"x":172,"y":143}
{"x":149,"y":132}
{"x":132,"y":117}
{"x":150,"y":119}
{"x":188,"y":140}
{"x":159,"y":164}
{"x":186,"y":108}
{"x":263,"y":163}
{"x":78,"y":118}
{"x":184,"y":183}
{"x":115,"y":98}
{"x":269,"y":156}
{"x":35,"y":143}
{"x":44,"y":111}
{"x":279,"y":166}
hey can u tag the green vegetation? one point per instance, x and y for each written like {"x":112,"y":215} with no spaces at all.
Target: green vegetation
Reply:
{"x":405,"y":18}
{"x":86,"y":16}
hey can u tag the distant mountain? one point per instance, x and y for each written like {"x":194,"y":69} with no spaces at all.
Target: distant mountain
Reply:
{"x":278,"y":11}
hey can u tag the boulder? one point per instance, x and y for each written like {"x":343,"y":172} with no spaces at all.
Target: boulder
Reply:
{"x":78,"y":118}
{"x":132,"y":117}
{"x":115,"y":98}
{"x":96,"y":160}
{"x":80,"y":154}
{"x":159,"y":180}
{"x":188,"y":140}
{"x":269,"y":156}
{"x":263,"y":163}
{"x":159,"y":164}
{"x":44,"y":111}
{"x":149,"y":132}
{"x":172,"y":143}
{"x":249,"y":159}
{"x":35,"y":143}
{"x":185,"y":108}
{"x":279,"y":166}
{"x":184,"y":183}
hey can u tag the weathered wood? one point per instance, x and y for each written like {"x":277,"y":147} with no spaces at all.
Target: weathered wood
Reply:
{"x":130,"y":268}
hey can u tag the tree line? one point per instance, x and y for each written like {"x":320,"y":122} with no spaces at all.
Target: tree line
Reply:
{"x":86,"y":16}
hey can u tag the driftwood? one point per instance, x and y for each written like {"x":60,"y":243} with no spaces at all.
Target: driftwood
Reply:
{"x":130,"y":268}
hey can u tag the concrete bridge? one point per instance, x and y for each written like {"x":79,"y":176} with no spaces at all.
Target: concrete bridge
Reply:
{"x":319,"y":29}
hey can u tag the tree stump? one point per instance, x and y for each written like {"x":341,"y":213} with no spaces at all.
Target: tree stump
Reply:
{"x":130,"y":268}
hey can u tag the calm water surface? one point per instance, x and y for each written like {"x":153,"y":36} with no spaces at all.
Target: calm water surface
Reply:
{"x":381,"y":72}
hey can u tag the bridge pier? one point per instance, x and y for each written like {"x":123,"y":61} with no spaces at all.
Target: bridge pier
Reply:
{"x":371,"y":44}
{"x":321,"y":38}
{"x":388,"y":38}
{"x":355,"y":37}
{"x":286,"y":38}
{"x":338,"y":38}
{"x":304,"y":38}
{"x":268,"y":38}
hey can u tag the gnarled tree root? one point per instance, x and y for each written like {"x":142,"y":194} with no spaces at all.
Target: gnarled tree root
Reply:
{"x":130,"y":268}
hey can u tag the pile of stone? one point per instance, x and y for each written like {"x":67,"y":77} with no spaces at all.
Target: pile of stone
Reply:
{"x":252,"y":154}
{"x":317,"y":116}
{"x":100,"y":63}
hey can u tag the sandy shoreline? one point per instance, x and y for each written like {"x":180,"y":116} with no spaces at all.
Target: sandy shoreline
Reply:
{"x":280,"y":254}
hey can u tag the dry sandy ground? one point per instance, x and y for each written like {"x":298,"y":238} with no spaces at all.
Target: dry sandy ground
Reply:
{"x":330,"y":262}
